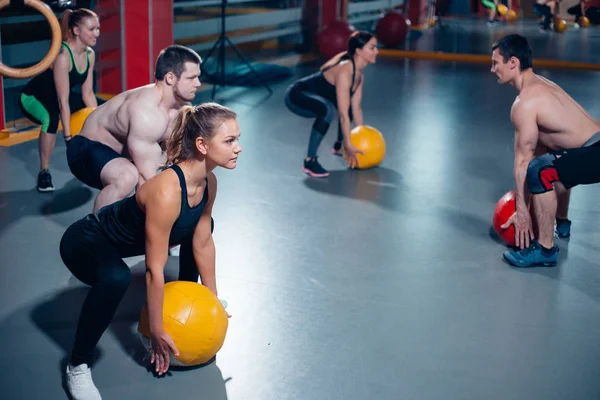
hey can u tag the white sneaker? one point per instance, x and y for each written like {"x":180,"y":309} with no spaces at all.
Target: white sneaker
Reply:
{"x":80,"y":384}
{"x":174,"y":251}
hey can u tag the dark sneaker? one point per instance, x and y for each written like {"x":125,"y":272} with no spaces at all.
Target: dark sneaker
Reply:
{"x":532,"y":256}
{"x":45,"y":181}
{"x":337,"y":149}
{"x":563,"y":228}
{"x":313,"y":168}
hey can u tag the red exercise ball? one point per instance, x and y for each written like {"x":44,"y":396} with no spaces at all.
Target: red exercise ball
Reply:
{"x":334,"y":38}
{"x":392,"y":29}
{"x":505,"y":208}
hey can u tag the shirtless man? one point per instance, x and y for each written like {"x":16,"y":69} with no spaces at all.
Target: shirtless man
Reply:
{"x":557,"y":146}
{"x":121,"y":143}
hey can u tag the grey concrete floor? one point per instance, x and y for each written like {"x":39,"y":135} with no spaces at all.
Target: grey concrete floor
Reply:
{"x":377,"y":284}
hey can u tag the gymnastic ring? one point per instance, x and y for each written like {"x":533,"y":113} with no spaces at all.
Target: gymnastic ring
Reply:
{"x":23,"y":73}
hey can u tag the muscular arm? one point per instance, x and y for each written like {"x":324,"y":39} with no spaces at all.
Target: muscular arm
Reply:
{"x":87,"y":89}
{"x":524,"y":118}
{"x":202,"y":244}
{"x":357,"y":113}
{"x":162,"y":207}
{"x":146,"y":128}
{"x":342,"y":89}
{"x":60,"y":71}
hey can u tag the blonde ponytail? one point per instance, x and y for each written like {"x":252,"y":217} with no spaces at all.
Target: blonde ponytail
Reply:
{"x":65,"y":25}
{"x":175,"y":145}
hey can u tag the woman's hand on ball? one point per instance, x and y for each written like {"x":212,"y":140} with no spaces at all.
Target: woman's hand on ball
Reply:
{"x":351,"y":152}
{"x":162,"y":347}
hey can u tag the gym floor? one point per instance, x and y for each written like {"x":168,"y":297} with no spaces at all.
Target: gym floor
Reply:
{"x":379,"y":284}
{"x":474,"y":36}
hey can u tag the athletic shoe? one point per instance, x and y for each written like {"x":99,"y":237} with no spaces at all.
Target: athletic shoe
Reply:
{"x":532,"y":256}
{"x":44,"y":183}
{"x":562,"y":228}
{"x":80,"y":384}
{"x":313,"y":168}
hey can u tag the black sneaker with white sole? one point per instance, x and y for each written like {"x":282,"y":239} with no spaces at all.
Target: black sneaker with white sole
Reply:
{"x":44,"y":182}
{"x":313,"y":168}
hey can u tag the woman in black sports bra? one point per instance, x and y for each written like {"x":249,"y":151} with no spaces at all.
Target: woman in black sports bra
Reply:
{"x":45,"y":99}
{"x":337,"y":86}
{"x":174,"y":207}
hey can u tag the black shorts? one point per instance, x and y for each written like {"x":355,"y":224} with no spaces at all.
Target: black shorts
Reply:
{"x":579,"y":166}
{"x":86,"y":158}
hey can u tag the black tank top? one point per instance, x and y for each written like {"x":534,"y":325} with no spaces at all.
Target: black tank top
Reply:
{"x":124,"y":224}
{"x":317,"y":84}
{"x":42,"y":86}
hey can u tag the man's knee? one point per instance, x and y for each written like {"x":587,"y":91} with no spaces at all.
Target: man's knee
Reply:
{"x":541,"y":174}
{"x":122,"y":174}
{"x":128,"y":180}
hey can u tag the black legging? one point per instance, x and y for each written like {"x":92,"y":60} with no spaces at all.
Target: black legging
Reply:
{"x":310,"y":105}
{"x":92,"y":259}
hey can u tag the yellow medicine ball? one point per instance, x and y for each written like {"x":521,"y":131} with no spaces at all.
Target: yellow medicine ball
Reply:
{"x":371,"y":142}
{"x":560,"y":25}
{"x":78,"y":118}
{"x":194,"y":318}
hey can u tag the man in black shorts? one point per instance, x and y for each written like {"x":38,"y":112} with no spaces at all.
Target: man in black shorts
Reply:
{"x":121,"y":143}
{"x":557,"y":146}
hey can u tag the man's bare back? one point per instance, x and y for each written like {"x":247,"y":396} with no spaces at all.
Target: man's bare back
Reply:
{"x":562,"y":122}
{"x":111,"y":122}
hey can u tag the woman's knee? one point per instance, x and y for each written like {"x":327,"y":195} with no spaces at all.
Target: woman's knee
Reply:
{"x":70,"y":248}
{"x":119,"y":277}
{"x":323,"y":123}
{"x":321,"y":126}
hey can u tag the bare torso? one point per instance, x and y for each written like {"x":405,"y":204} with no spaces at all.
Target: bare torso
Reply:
{"x":562,"y":122}
{"x":110,"y":122}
